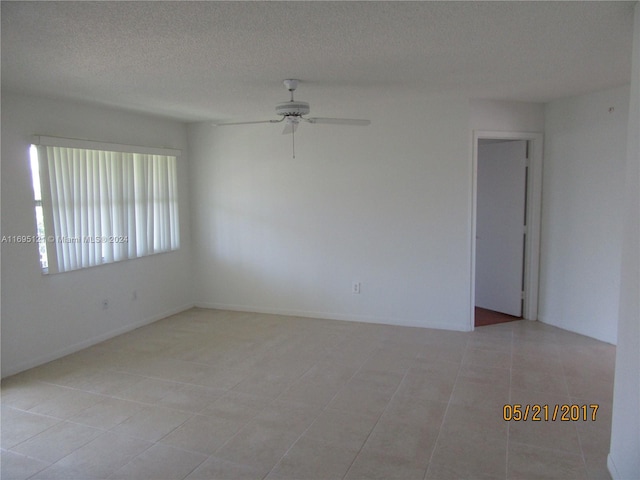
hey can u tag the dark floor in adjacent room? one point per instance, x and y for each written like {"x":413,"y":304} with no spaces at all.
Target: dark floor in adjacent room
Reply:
{"x":484,"y":317}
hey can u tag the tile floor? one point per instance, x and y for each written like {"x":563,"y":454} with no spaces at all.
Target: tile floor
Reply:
{"x":211,"y":394}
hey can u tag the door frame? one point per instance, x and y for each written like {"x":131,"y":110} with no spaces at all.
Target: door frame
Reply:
{"x":533,"y":212}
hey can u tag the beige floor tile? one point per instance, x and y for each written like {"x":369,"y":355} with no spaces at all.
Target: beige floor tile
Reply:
{"x":487,"y":397}
{"x":329,"y":371}
{"x":67,"y":403}
{"x":215,"y":468}
{"x":292,"y":416}
{"x":427,"y":386}
{"x":191,"y":398}
{"x":598,"y":432}
{"x":536,"y":347}
{"x":264,"y":384}
{"x":443,"y":368}
{"x":485,"y":375}
{"x":96,"y":356}
{"x":360,"y":399}
{"x":9,"y":413}
{"x":151,"y":423}
{"x":27,"y":394}
{"x":291,"y":364}
{"x":257,"y":446}
{"x":411,"y":442}
{"x":97,"y":380}
{"x":18,"y":426}
{"x":57,"y":442}
{"x":487,"y":357}
{"x":392,"y":358}
{"x":108,"y":413}
{"x":160,"y":462}
{"x":598,"y":414}
{"x":370,"y":465}
{"x":561,"y":436}
{"x":104,"y":455}
{"x":200,"y":351}
{"x":56,"y":472}
{"x":236,"y":406}
{"x":598,"y":389}
{"x":589,"y":353}
{"x":148,"y":390}
{"x":312,"y":459}
{"x":305,"y":394}
{"x":342,"y":428}
{"x":415,"y":411}
{"x":379,"y":380}
{"x":557,"y":434}
{"x":459,"y":458}
{"x":535,"y":332}
{"x":446,"y":339}
{"x":352,"y":352}
{"x":526,"y":462}
{"x":167,"y":369}
{"x":220,"y":377}
{"x":14,"y":466}
{"x":538,"y":380}
{"x":318,"y":393}
{"x":595,"y":445}
{"x":535,"y":355}
{"x":202,"y":434}
{"x":493,"y":341}
{"x":442,"y":353}
{"x":531,"y":397}
{"x":49,"y":372}
{"x":463,"y":422}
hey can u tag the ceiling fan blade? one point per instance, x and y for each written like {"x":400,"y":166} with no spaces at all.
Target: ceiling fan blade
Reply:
{"x":290,"y":127}
{"x":224,"y":124}
{"x":339,"y":121}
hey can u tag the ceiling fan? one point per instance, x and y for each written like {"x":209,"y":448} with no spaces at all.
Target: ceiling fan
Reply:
{"x":292,"y":113}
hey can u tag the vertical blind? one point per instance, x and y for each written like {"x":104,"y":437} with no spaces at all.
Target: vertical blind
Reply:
{"x":102,"y":206}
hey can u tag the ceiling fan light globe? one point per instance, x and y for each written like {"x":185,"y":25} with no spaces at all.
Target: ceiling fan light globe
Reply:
{"x":291,"y":84}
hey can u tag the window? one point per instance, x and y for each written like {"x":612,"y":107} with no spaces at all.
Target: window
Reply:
{"x":102,"y":203}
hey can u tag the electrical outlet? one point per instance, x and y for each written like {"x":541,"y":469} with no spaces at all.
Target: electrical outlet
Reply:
{"x":355,"y":288}
{"x":105,"y":304}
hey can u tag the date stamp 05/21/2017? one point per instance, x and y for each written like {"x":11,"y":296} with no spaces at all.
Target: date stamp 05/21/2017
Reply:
{"x":544,"y":413}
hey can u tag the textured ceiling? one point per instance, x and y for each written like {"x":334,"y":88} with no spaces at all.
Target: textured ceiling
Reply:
{"x":222,"y":60}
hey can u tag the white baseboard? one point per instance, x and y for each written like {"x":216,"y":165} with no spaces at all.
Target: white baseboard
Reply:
{"x":327,"y":316}
{"x":13,"y":369}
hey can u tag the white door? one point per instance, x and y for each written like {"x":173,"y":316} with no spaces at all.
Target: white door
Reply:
{"x":500,"y":220}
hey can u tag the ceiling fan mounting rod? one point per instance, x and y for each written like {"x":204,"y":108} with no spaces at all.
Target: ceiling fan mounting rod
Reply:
{"x":291,"y":84}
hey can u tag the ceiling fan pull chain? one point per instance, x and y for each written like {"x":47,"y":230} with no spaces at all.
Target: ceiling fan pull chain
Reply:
{"x":293,"y":142}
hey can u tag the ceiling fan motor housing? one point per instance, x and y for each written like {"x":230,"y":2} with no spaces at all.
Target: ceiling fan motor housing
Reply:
{"x":292,"y":109}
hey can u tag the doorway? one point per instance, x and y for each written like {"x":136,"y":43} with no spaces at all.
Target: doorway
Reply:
{"x":500,"y":225}
{"x":507,"y":170}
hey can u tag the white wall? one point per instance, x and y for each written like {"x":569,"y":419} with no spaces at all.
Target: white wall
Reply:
{"x":47,"y":316}
{"x":584,"y":170}
{"x":506,"y":116}
{"x":624,"y":460}
{"x":386,"y":205}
